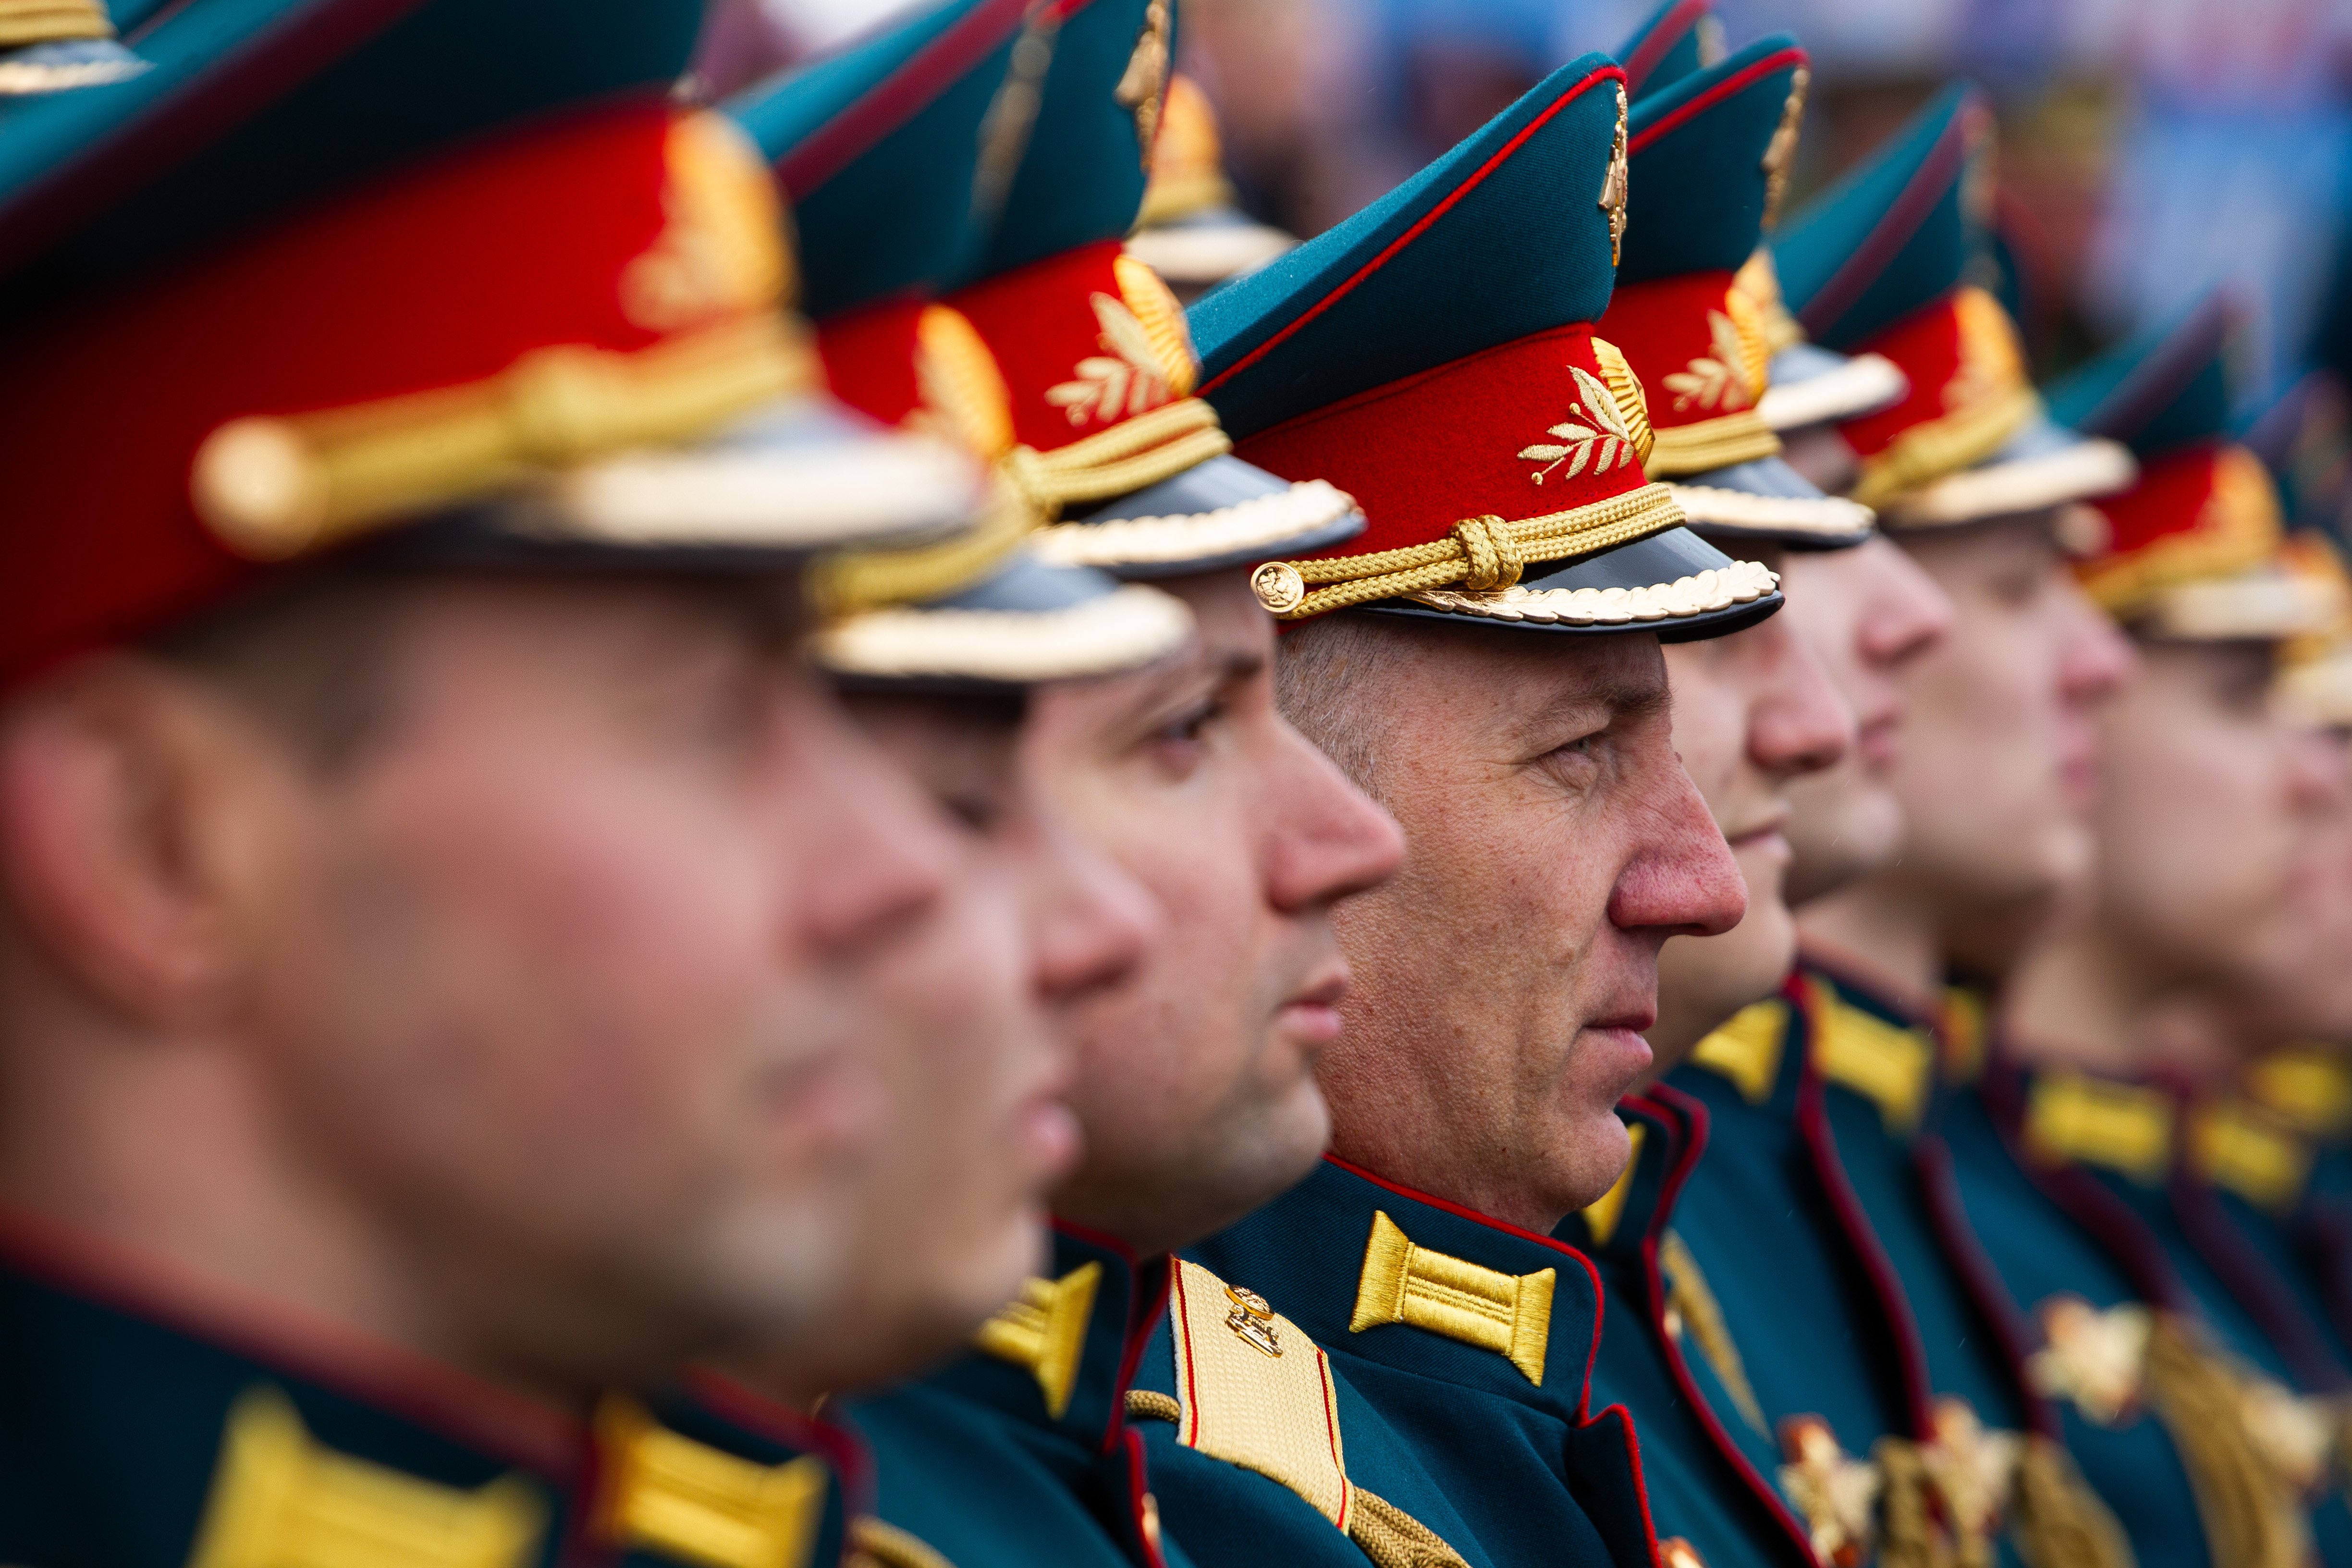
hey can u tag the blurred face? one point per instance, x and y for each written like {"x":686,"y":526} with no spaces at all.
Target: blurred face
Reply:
{"x":1752,"y":711}
{"x":1506,"y":977}
{"x":2000,"y":764}
{"x":953,"y":1219}
{"x":1868,"y":614}
{"x":584,"y":975}
{"x":1196,"y":1083}
{"x":2221,"y":842}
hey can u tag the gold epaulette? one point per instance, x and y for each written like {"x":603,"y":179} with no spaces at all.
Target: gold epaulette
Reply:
{"x":1509,"y":1314}
{"x":667,"y":1494}
{"x":283,"y":1497}
{"x":2126,"y":1128}
{"x":1601,"y":1215}
{"x":1746,"y":1050}
{"x":2240,"y":1148}
{"x":1045,"y":1332}
{"x":2310,"y":1086}
{"x":1254,"y":1391}
{"x":1884,"y":1062}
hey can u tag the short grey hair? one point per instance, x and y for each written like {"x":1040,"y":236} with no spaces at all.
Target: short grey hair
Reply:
{"x":1326,"y":680}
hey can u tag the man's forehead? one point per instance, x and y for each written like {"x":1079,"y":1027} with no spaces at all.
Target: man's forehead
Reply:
{"x":1538,"y":679}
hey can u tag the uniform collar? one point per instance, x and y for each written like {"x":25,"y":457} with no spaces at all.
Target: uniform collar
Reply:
{"x":1062,"y":1356}
{"x":300,"y":1428}
{"x":1865,"y":1041}
{"x":1668,"y":1131}
{"x":1368,"y":1268}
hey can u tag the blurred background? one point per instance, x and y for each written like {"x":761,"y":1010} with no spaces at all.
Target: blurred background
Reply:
{"x":2149,"y":149}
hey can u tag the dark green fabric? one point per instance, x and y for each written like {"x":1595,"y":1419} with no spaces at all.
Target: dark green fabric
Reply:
{"x":1679,"y":21}
{"x":2159,"y":391}
{"x":2082,"y":1246}
{"x":1707,"y":1473}
{"x":1793,"y":1281}
{"x":971,"y":1460}
{"x":898,"y":217}
{"x":1903,"y":206}
{"x":112,"y":1420}
{"x":1521,"y":245}
{"x":1696,"y":194}
{"x":1507,"y":1472}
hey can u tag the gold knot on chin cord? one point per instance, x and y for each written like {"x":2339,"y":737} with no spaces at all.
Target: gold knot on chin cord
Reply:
{"x":1491,"y":557}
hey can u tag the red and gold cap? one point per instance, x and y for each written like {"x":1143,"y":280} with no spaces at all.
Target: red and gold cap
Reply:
{"x":564,"y":344}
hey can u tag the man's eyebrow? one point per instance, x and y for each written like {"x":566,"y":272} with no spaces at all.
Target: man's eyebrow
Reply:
{"x":1614,"y":694}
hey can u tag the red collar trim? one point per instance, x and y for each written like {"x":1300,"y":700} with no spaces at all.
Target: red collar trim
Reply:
{"x":1606,"y":73}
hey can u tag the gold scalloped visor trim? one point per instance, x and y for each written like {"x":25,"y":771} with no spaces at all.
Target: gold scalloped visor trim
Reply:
{"x":1209,"y":252}
{"x":1864,"y":384}
{"x":25,"y":79}
{"x":1801,"y":517}
{"x":2260,"y":605}
{"x":1482,"y":554}
{"x":1741,"y":582}
{"x":2094,"y":466}
{"x":1266,"y":522}
{"x":1718,"y":443}
{"x":1125,"y":630}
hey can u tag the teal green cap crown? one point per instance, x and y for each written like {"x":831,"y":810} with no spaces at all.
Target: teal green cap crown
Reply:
{"x":1894,"y":235}
{"x":1680,"y":37}
{"x":251,"y":108}
{"x":2161,"y":390}
{"x":880,"y":150}
{"x":977,"y":137}
{"x":1697,"y":194}
{"x":1501,"y":237}
{"x":1081,"y":176}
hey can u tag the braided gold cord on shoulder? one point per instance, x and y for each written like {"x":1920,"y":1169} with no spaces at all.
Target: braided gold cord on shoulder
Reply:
{"x":2056,"y":1519}
{"x":1482,"y":554}
{"x":2250,"y":1518}
{"x":1144,"y":450}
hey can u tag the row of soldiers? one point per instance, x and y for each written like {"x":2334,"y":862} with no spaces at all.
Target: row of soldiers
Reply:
{"x":717,"y":849}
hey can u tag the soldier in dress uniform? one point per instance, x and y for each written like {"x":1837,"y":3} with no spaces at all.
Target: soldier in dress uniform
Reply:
{"x":1018,"y":317}
{"x":2212,"y":929}
{"x":1751,"y":711}
{"x":447,"y":923}
{"x":1392,"y":1361}
{"x":1843,"y":1334}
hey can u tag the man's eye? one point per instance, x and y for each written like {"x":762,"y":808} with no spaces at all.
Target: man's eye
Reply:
{"x":977,"y":811}
{"x":1187,"y":726}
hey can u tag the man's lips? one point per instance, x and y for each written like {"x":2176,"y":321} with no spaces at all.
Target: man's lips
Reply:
{"x":1312,"y":1014}
{"x":1756,"y":832}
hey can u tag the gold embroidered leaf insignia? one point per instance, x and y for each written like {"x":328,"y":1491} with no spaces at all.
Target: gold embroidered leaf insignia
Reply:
{"x":1716,"y":380}
{"x":1607,"y":443}
{"x":1113,"y":388}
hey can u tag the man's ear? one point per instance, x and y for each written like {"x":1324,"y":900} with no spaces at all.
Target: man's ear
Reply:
{"x":131,"y":804}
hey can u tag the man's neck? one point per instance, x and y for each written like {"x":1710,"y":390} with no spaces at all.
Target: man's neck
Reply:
{"x":2080,"y":1000}
{"x":166,"y":1158}
{"x":1885,"y":935}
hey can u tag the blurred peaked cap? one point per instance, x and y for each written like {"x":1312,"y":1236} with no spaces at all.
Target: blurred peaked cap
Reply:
{"x":250,"y":108}
{"x":1086,"y":160}
{"x":60,"y":46}
{"x":1894,"y":233}
{"x":879,"y":151}
{"x":1501,"y":237}
{"x":1703,"y":154}
{"x":561,"y":346}
{"x":1679,"y":37}
{"x":2159,"y":391}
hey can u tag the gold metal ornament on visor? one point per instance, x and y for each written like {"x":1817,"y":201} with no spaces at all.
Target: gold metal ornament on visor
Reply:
{"x":1613,"y":186}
